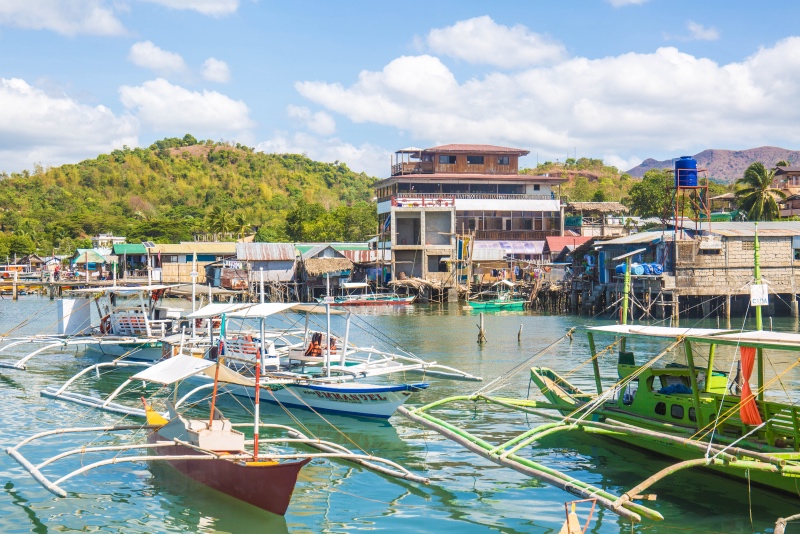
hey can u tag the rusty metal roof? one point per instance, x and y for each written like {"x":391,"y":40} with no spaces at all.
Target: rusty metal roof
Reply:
{"x":478,"y":149}
{"x":265,"y":251}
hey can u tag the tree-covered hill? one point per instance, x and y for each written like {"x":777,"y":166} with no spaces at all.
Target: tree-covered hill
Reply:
{"x":177,"y":188}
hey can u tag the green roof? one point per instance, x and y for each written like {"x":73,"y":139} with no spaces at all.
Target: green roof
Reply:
{"x":129,"y":248}
{"x":83,"y":255}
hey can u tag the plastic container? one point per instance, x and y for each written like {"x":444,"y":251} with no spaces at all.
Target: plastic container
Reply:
{"x":686,"y":172}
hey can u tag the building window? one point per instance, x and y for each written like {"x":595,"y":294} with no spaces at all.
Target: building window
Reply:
{"x":536,"y":187}
{"x":748,"y":245}
{"x":447,"y":160}
{"x":502,"y":160}
{"x":474,"y":160}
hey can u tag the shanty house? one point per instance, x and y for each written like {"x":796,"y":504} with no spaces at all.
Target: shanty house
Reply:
{"x":322,"y":265}
{"x":602,"y":219}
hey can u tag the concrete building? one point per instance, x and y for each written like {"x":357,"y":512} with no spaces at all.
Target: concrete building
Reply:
{"x":437,"y":193}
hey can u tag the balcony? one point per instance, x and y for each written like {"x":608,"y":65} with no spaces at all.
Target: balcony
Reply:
{"x":433,"y":199}
{"x":419,"y":167}
{"x":514,"y":235}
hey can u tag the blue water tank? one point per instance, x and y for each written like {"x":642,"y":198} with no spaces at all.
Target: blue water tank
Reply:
{"x":686,"y":172}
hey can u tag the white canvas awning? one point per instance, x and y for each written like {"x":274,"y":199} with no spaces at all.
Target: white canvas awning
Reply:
{"x":122,"y":290}
{"x":216,"y":309}
{"x":173,"y":370}
{"x":262,"y":310}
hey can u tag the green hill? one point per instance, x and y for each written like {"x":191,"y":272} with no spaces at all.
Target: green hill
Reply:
{"x":177,"y":188}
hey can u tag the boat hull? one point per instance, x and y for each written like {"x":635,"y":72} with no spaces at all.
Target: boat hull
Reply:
{"x":351,"y":399}
{"x":515,"y":305}
{"x":148,"y":352}
{"x":402,"y":301}
{"x":268,"y":485}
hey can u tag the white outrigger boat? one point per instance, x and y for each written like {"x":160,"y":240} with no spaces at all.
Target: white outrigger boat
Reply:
{"x":211,"y":451}
{"x":334,"y":382}
{"x":132,"y":324}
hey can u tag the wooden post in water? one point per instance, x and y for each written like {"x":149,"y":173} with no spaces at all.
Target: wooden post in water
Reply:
{"x":14,"y":293}
{"x":481,"y":331}
{"x":519,"y":334}
{"x":52,"y":290}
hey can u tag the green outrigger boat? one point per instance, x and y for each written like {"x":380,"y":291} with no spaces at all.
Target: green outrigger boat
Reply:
{"x":690,"y":400}
{"x":505,"y":299}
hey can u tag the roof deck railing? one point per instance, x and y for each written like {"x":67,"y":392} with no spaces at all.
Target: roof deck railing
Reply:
{"x":432,"y":199}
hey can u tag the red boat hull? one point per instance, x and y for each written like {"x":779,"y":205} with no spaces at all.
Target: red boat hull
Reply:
{"x":268,"y":486}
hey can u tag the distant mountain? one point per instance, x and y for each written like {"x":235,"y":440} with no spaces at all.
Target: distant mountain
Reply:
{"x":726,"y":165}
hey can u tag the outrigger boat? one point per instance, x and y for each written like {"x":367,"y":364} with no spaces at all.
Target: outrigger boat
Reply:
{"x":690,"y":410}
{"x":211,"y":451}
{"x":335,"y":382}
{"x":357,"y":294}
{"x":504,"y":300}
{"x":132,"y":324}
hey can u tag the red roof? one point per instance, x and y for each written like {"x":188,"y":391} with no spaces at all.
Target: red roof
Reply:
{"x":478,"y":149}
{"x":558,"y":243}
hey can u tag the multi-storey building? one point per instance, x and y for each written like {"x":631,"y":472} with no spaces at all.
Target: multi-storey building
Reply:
{"x":437,"y":193}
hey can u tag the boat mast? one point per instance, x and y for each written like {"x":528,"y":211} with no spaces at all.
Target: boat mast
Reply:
{"x":759,"y":323}
{"x":328,"y":317}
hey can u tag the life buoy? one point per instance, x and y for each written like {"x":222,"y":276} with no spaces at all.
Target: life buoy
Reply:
{"x":105,"y":324}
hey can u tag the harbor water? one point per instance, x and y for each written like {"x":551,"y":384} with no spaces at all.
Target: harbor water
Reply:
{"x":467,"y":494}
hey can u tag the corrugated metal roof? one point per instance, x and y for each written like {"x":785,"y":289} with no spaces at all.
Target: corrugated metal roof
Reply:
{"x":318,"y":249}
{"x":367,"y":256}
{"x":557,"y":243}
{"x":129,"y":248}
{"x":302,"y":248}
{"x":201,"y":247}
{"x":265,"y":251}
{"x":641,"y":237}
{"x":479,"y":149}
{"x":748,"y":229}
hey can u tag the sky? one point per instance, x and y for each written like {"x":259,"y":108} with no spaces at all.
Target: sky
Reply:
{"x":354,"y":81}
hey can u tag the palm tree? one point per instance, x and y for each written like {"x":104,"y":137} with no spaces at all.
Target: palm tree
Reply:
{"x":757,"y":196}
{"x":219,"y":221}
{"x":241,"y":225}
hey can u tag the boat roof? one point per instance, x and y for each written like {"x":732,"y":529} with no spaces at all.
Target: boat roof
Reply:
{"x":218,"y":308}
{"x":263,"y":310}
{"x":760,"y":338}
{"x":173,"y":370}
{"x":181,"y":367}
{"x":656,"y":331}
{"x":316,"y":308}
{"x":354,"y":285}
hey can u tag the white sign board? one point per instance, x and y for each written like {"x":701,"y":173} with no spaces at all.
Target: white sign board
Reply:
{"x":759,"y":295}
{"x":329,"y":300}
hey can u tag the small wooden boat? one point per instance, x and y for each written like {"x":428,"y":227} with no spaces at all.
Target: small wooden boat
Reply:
{"x":505,"y":299}
{"x":211,"y":451}
{"x":358,"y":294}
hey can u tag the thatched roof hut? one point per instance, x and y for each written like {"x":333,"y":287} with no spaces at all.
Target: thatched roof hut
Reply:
{"x":324,"y":259}
{"x":320,"y":266}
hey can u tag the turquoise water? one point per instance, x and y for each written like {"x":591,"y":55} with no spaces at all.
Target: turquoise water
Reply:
{"x":467,"y":494}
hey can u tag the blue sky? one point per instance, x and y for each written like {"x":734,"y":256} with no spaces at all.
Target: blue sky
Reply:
{"x":621,"y":80}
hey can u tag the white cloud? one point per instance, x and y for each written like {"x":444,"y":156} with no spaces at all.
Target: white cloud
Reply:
{"x":482,"y":40}
{"x":216,"y":70}
{"x":320,"y":122}
{"x":701,"y":33}
{"x":165,"y":107}
{"x":622,"y":3}
{"x":655,"y":104}
{"x":67,"y":17}
{"x":38,"y":128}
{"x":146,"y":54}
{"x":214,"y":8}
{"x":366,"y":157}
